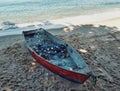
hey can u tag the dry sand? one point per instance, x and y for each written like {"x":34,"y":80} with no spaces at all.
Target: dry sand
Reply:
{"x":99,"y":46}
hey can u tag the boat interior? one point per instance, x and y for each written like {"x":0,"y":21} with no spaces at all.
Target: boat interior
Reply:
{"x":56,"y":51}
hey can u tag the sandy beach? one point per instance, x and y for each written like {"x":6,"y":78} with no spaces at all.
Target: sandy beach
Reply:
{"x":98,"y":43}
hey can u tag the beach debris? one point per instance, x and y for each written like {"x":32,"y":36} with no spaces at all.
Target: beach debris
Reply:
{"x":40,"y":24}
{"x":71,"y":28}
{"x":31,"y":26}
{"x":9,"y":25}
{"x":47,"y":22}
{"x":118,"y":47}
{"x":83,"y":50}
{"x":6,"y":89}
{"x":66,"y":29}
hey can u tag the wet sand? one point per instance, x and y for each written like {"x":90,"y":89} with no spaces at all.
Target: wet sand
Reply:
{"x":99,"y":46}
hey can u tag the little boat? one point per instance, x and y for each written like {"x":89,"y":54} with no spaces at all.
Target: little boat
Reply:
{"x":56,"y":55}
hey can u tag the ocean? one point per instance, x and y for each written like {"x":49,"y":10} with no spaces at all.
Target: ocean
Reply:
{"x":24,"y":11}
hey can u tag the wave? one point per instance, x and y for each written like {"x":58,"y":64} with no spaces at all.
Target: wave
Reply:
{"x":112,"y":3}
{"x":32,"y":10}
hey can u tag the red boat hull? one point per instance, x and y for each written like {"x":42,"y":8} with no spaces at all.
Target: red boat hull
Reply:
{"x":72,"y":76}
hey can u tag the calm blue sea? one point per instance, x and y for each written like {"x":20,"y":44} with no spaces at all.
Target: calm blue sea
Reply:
{"x":21,"y":11}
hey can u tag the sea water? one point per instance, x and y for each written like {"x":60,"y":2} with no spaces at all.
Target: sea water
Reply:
{"x":24,"y":11}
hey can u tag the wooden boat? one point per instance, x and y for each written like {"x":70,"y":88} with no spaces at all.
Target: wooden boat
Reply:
{"x":56,"y":55}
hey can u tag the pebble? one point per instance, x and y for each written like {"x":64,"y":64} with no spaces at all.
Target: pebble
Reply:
{"x":6,"y":89}
{"x":40,"y":79}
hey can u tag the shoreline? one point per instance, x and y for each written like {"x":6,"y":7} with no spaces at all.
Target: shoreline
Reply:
{"x":78,"y":20}
{"x":114,"y":22}
{"x":108,"y":19}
